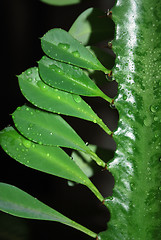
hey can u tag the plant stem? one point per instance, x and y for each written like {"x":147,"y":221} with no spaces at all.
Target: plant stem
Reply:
{"x":105,"y":97}
{"x":104,"y":127}
{"x":83,"y":229}
{"x":99,"y":161}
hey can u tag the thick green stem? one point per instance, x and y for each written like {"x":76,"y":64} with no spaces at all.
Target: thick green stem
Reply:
{"x":135,"y":206}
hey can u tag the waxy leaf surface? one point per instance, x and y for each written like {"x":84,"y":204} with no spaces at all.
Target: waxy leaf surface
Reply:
{"x":46,"y":128}
{"x":51,"y":160}
{"x":53,"y":100}
{"x":67,"y":77}
{"x":49,"y":129}
{"x":19,"y":203}
{"x":60,"y":45}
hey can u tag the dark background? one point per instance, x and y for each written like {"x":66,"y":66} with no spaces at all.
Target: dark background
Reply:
{"x":23,"y":23}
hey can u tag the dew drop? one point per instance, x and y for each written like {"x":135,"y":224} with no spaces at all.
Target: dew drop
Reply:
{"x":76,"y":54}
{"x":26,"y":143}
{"x":42,"y":86}
{"x":112,"y":105}
{"x":153,"y":108}
{"x":47,"y":154}
{"x":147,"y":122}
{"x":30,"y":79}
{"x":110,"y":198}
{"x":95,"y":121}
{"x":156,"y":135}
{"x":64,"y":46}
{"x":56,"y":68}
{"x":155,"y":119}
{"x":77,"y":98}
{"x":28,"y":72}
{"x":129,"y":112}
{"x":124,"y":97}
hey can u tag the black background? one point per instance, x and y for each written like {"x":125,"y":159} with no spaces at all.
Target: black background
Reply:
{"x":23,"y":23}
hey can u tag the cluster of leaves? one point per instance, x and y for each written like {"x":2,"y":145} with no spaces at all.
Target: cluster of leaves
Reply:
{"x":55,"y":87}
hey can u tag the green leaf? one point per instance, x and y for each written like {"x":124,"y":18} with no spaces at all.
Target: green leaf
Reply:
{"x":92,"y":26}
{"x":49,"y":129}
{"x":60,"y":45}
{"x":61,"y":2}
{"x":46,"y":128}
{"x":19,"y":203}
{"x":54,"y":100}
{"x":51,"y":160}
{"x":68,"y":78}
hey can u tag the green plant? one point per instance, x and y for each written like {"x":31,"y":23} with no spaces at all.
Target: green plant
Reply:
{"x":55,"y":86}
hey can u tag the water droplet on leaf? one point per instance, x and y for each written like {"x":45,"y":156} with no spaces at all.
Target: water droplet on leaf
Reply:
{"x":30,"y":79}
{"x":26,"y":143}
{"x":28,"y":72}
{"x":76,"y":54}
{"x":42,"y":86}
{"x":77,"y":98}
{"x":56,"y":68}
{"x":64,"y":46}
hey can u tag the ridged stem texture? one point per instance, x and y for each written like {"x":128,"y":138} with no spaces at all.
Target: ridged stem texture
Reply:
{"x":135,"y":205}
